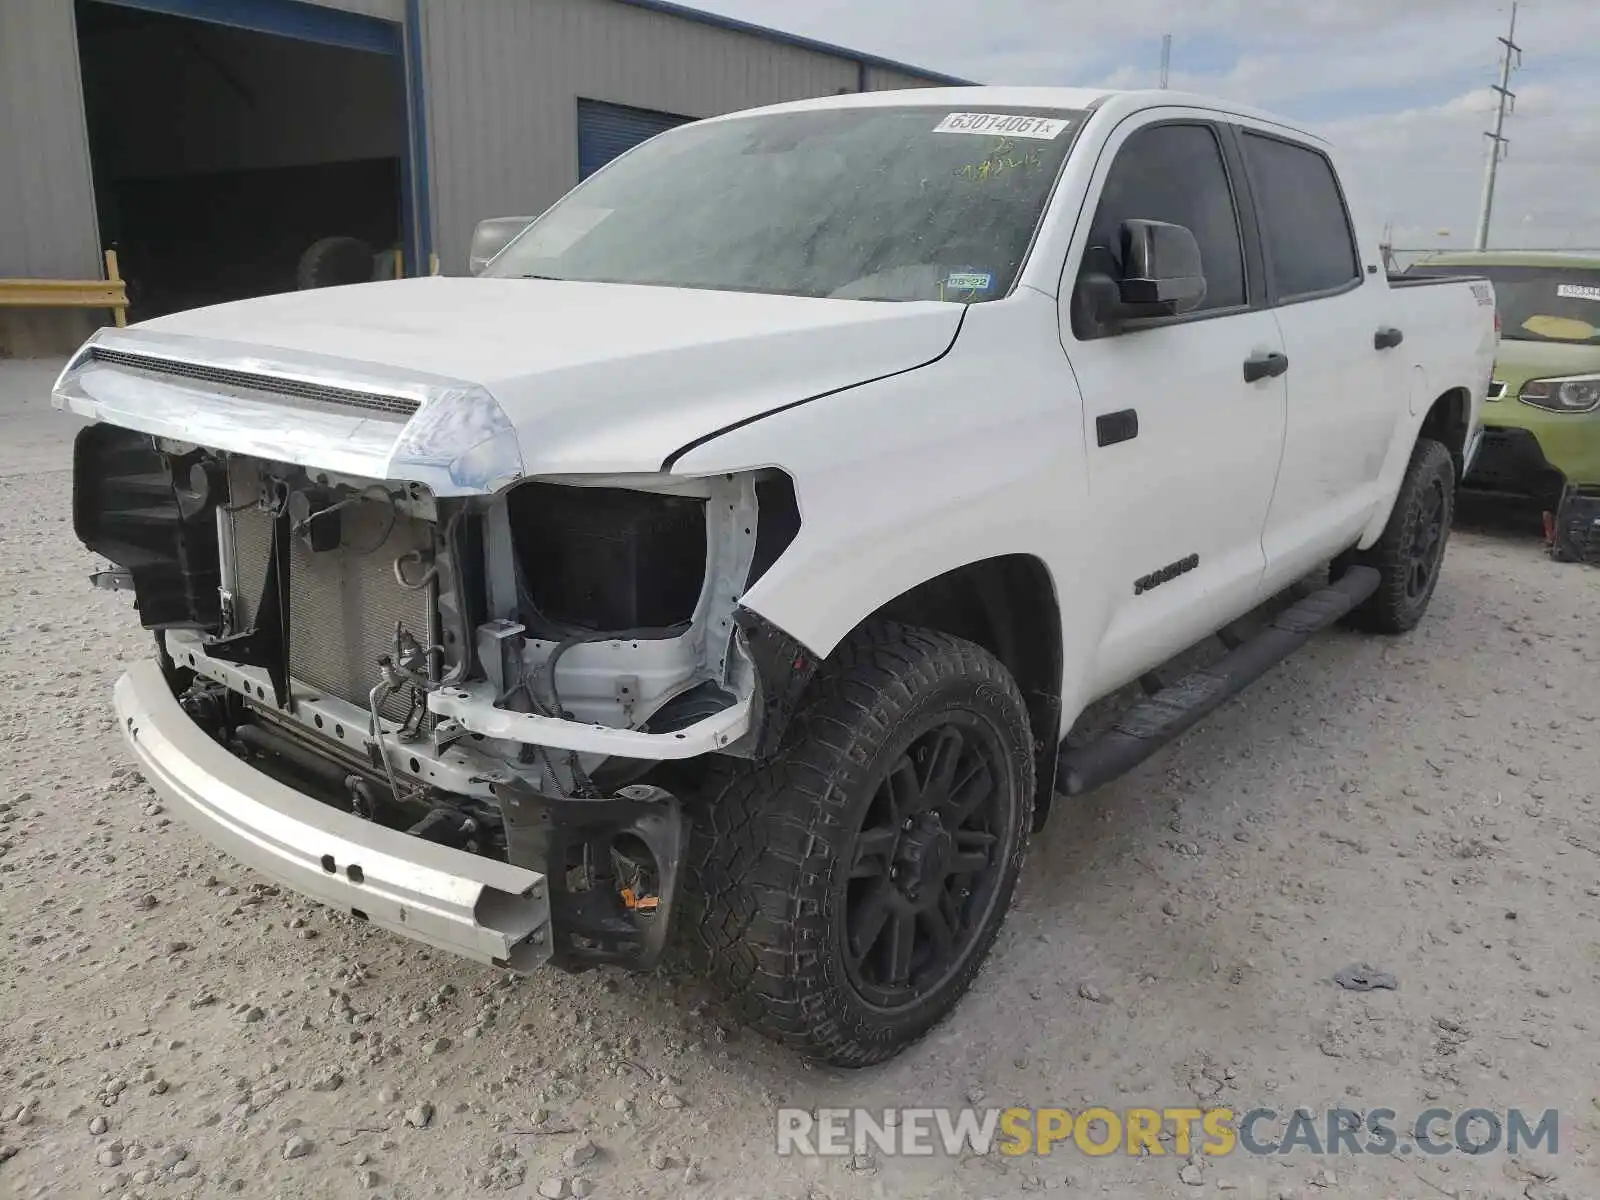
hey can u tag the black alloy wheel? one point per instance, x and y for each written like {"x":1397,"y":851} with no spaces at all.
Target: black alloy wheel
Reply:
{"x":1427,"y":540}
{"x":925,"y":864}
{"x":845,"y":894}
{"x":1409,"y":553}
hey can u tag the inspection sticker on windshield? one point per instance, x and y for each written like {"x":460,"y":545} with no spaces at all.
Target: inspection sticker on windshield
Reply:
{"x":1006,"y":124}
{"x":969,"y":281}
{"x":1577,"y":291}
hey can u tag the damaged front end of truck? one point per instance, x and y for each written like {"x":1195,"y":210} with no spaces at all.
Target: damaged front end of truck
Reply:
{"x":402,"y":676}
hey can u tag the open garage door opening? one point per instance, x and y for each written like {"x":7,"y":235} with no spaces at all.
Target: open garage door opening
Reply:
{"x":231,"y":162}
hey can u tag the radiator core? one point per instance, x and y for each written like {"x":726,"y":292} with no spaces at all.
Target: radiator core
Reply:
{"x":343,"y":603}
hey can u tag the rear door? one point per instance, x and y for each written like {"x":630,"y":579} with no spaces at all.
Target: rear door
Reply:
{"x":1348,"y":378}
{"x":1183,"y":446}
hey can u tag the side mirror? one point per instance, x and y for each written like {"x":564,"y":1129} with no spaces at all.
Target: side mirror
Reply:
{"x":1160,"y":275}
{"x":1161,"y":269}
{"x":493,"y":235}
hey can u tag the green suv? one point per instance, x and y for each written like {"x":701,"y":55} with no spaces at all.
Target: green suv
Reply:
{"x":1541,"y":425}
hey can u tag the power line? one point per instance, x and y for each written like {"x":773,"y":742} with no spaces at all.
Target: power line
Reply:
{"x":1506,"y":102}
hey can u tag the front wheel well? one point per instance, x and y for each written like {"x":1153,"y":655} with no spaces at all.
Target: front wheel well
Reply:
{"x":1446,"y":423}
{"x":1008,"y":606}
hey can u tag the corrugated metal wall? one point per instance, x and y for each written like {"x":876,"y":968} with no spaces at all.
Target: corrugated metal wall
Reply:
{"x":883,"y":79}
{"x":504,"y":77}
{"x":47,"y":226}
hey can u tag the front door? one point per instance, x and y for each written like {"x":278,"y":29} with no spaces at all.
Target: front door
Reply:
{"x":1183,"y":439}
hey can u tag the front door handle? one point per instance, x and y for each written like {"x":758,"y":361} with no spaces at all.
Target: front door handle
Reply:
{"x":1387,"y":338}
{"x":1264,"y":366}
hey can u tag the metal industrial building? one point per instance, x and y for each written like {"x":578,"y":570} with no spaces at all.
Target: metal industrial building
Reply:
{"x":211,"y":141}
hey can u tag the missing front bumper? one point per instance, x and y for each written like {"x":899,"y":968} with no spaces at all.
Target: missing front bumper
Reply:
{"x":464,"y":903}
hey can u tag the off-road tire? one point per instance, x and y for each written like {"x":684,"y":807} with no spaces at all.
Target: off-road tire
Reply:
{"x":1396,"y":606}
{"x":333,"y":261}
{"x":771,"y":852}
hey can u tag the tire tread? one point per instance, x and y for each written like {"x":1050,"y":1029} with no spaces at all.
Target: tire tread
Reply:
{"x":1388,"y":610}
{"x":764,"y":844}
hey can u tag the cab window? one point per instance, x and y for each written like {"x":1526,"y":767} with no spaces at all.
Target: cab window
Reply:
{"x":1309,"y":244}
{"x":1173,"y":173}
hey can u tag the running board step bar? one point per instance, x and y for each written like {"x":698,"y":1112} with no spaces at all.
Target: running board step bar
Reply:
{"x":1154,"y":722}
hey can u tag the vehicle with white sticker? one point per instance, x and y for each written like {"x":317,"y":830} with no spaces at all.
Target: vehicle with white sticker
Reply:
{"x":1542,"y":421}
{"x":725,"y":563}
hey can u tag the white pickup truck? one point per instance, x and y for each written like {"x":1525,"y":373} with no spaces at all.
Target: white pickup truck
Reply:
{"x":730,"y":557}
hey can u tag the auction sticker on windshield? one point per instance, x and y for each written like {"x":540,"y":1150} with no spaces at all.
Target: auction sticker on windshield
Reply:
{"x":1011,"y":124}
{"x":1577,"y":291}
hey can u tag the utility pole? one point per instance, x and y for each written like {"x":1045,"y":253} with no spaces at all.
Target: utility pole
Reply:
{"x":1166,"y":56}
{"x":1507,"y":102}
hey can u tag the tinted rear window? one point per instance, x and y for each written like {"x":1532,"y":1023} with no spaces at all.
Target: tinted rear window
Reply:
{"x":1303,"y":218}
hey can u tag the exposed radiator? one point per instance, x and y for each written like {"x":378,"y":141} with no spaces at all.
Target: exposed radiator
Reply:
{"x":343,"y":604}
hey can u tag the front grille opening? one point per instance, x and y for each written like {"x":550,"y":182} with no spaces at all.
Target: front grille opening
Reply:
{"x":606,"y":559}
{"x":343,"y":603}
{"x":272,"y":386}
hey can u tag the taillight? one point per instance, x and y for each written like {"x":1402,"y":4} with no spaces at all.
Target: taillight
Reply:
{"x":1497,"y":324}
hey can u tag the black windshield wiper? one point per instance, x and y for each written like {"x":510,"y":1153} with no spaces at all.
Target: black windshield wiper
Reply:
{"x":551,"y":278}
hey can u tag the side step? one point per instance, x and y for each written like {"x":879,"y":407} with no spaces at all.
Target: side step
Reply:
{"x":1154,"y":722}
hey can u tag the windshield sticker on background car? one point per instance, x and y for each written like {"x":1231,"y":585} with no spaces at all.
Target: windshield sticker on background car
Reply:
{"x":1002,"y":158}
{"x":1044,"y":129}
{"x":1577,"y":291}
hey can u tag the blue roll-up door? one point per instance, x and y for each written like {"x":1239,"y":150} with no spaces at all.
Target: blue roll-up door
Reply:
{"x":607,"y":130}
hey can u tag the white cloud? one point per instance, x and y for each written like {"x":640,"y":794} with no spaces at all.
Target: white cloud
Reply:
{"x":1423,"y":168}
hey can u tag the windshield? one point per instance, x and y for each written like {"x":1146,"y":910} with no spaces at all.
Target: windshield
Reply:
{"x":856,"y":203}
{"x":1538,"y":304}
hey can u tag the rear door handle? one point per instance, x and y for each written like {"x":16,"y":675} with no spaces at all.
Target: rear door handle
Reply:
{"x":1387,"y":338}
{"x":1264,"y":366}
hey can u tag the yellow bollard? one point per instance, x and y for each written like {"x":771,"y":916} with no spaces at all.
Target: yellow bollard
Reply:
{"x":120,"y":313}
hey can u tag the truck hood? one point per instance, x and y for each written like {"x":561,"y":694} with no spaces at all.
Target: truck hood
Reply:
{"x":589,"y":377}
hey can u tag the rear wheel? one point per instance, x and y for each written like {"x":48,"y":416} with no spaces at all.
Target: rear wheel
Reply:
{"x":1410,"y":553}
{"x":846,"y":894}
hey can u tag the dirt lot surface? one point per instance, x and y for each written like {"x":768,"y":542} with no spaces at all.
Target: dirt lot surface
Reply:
{"x":172,"y":1025}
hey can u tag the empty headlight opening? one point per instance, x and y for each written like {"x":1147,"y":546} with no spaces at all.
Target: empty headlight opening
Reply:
{"x":625,"y":593}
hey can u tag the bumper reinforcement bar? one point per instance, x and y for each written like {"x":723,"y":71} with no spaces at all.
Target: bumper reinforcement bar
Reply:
{"x":464,"y":903}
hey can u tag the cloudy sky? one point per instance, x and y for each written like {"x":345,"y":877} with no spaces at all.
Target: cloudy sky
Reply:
{"x":1402,"y":85}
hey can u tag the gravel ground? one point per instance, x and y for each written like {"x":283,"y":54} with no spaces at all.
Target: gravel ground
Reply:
{"x":173,"y":1025}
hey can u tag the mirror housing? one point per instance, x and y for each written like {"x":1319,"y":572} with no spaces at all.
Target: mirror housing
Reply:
{"x":1161,"y":275}
{"x":493,"y":235}
{"x":1161,"y":270}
